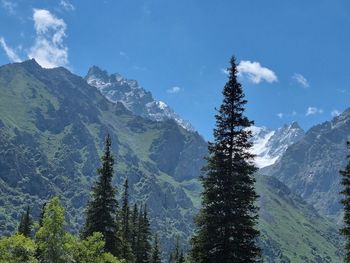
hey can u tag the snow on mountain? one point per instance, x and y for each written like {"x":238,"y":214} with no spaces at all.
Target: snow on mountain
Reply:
{"x":270,"y":145}
{"x":134,"y":97}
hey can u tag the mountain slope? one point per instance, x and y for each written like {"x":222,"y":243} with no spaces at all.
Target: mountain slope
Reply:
{"x":311,"y":166}
{"x":135,"y":98}
{"x":270,"y":145}
{"x":52,"y":125}
{"x":291,"y":229}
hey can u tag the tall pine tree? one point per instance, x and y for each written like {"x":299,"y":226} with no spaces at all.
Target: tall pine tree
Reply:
{"x":26,"y":224}
{"x":143,"y":245}
{"x":101,"y":211}
{"x":126,"y":238}
{"x":134,"y":229}
{"x":346,"y":203}
{"x":156,"y":255}
{"x":226,"y":224}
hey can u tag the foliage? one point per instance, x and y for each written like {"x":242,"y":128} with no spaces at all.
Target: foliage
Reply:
{"x":17,"y":248}
{"x":143,"y":245}
{"x":125,"y":226}
{"x":227,"y":221}
{"x":51,"y":237}
{"x":25,"y":225}
{"x":345,"y":230}
{"x":156,"y":254}
{"x":89,"y":250}
{"x":101,"y":211}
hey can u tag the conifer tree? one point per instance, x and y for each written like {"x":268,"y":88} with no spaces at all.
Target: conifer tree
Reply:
{"x":42,"y":214}
{"x":226,"y":224}
{"x":143,"y":247}
{"x":25,"y":225}
{"x":181,"y":258}
{"x":175,"y":254}
{"x":101,"y":211}
{"x":134,"y":228}
{"x":156,"y":257}
{"x":126,"y":247}
{"x":345,"y":181}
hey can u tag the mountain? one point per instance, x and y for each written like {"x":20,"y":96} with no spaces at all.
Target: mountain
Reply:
{"x":52,"y":126}
{"x":269,"y":145}
{"x":134,"y":97}
{"x":291,"y":229}
{"x":311,"y":166}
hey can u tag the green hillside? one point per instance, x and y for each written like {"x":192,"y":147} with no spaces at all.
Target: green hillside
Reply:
{"x":52,"y":126}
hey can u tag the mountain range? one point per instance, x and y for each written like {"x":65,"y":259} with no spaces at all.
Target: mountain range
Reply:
{"x":52,"y":126}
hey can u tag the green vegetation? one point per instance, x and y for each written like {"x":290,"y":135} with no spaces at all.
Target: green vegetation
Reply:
{"x":346,"y":203}
{"x":226,"y":224}
{"x":52,"y":126}
{"x":101,"y":212}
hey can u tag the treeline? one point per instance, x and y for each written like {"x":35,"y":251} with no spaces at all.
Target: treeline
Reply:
{"x":111,"y":233}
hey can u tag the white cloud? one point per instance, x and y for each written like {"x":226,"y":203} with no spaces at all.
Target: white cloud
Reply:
{"x":49,"y":50}
{"x":174,"y":90}
{"x":67,"y":5}
{"x":280,"y":115}
{"x":255,"y":72}
{"x":301,"y":80}
{"x":11,"y":54}
{"x":313,"y":110}
{"x":9,"y":6}
{"x":335,"y":113}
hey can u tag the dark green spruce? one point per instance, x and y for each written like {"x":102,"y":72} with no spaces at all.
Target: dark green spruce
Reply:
{"x":126,"y":248}
{"x":156,"y":254}
{"x":134,"y":229}
{"x":175,"y":254}
{"x":345,"y":181}
{"x":143,"y":245}
{"x":226,"y":225}
{"x":26,"y":224}
{"x":101,"y":211}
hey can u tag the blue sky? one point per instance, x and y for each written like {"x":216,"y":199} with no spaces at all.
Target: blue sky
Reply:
{"x":294,"y":55}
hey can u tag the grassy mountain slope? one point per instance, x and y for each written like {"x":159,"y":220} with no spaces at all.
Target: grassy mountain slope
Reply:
{"x":292,"y":230}
{"x":52,"y":126}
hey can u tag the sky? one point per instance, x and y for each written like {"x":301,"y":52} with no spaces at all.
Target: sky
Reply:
{"x":293,"y":55}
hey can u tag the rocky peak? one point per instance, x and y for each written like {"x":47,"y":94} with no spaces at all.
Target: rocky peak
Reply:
{"x":135,"y":98}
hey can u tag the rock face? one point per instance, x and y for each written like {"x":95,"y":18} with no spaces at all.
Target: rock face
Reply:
{"x":311,"y":166}
{"x":52,"y":126}
{"x":134,"y":97}
{"x":270,"y":145}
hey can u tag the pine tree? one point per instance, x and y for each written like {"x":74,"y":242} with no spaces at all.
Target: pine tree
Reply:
{"x":175,"y":254}
{"x":226,"y":224}
{"x":346,"y":203}
{"x":156,"y":257}
{"x":126,"y":247}
{"x":25,"y":225}
{"x":41,"y":218}
{"x":181,"y":258}
{"x":134,"y":229}
{"x":101,"y":212}
{"x":143,"y":246}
